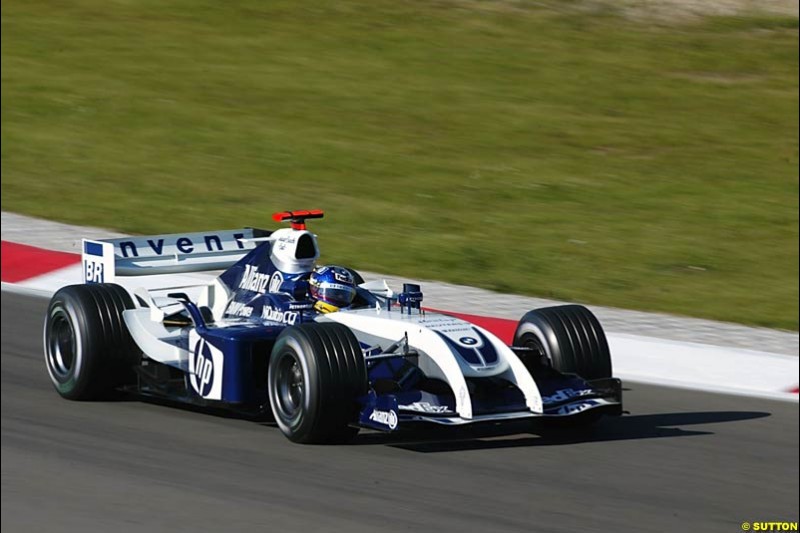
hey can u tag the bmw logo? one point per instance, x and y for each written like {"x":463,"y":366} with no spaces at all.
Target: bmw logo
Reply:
{"x":468,"y":341}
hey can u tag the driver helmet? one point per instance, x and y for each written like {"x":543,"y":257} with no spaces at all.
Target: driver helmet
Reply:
{"x":333,"y":287}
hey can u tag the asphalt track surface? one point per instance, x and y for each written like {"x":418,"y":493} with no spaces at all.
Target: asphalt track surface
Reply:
{"x":680,"y":461}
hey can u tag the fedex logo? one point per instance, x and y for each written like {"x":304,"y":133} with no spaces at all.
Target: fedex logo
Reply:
{"x":562,"y":395}
{"x":575,"y":408}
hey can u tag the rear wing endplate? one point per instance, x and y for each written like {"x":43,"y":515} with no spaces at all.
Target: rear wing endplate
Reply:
{"x":104,"y":260}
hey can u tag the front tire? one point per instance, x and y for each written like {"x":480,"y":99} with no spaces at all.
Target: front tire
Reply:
{"x":316,"y":373}
{"x":569,"y":338}
{"x":88,"y":349}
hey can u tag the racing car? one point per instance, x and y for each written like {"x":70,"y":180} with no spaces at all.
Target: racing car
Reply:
{"x":251,"y":339}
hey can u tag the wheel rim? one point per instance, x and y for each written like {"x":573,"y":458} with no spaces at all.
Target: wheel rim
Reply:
{"x":531,"y":341}
{"x":290,"y":386}
{"x":61,"y":345}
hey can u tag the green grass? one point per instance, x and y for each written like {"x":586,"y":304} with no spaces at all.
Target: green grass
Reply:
{"x":542,"y":150}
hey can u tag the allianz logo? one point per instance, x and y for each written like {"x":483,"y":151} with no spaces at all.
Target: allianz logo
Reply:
{"x":387,"y":418}
{"x":276,"y":315}
{"x":253,"y":280}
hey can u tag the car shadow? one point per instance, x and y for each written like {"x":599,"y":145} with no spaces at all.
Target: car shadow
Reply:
{"x":433,"y":438}
{"x":524,"y":434}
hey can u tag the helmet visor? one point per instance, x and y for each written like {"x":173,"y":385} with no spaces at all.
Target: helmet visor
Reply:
{"x":336,"y":294}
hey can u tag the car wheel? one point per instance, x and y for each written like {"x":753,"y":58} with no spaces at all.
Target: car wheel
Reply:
{"x":88,"y":349}
{"x":316,"y":373}
{"x":569,"y":338}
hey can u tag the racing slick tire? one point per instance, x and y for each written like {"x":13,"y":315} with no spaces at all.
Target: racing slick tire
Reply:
{"x":316,"y":373}
{"x":567,"y":337}
{"x":88,"y":349}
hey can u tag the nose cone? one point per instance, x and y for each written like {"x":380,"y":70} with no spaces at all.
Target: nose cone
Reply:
{"x":476,"y":354}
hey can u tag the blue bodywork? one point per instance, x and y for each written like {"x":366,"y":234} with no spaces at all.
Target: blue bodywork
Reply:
{"x":266,"y":300}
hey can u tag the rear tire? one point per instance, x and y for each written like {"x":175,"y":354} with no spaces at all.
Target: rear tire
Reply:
{"x":88,"y":349}
{"x":569,"y":337}
{"x":316,"y":373}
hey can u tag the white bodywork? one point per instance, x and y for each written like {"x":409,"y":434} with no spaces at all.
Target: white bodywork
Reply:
{"x":284,"y":251}
{"x":383,"y":327}
{"x":440,"y":340}
{"x":103,"y":260}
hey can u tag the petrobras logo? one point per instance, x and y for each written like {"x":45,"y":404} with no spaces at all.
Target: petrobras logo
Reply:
{"x":276,"y":315}
{"x":563,"y":395}
{"x":386,"y":418}
{"x":253,"y":280}
{"x":93,"y":272}
{"x":98,"y":262}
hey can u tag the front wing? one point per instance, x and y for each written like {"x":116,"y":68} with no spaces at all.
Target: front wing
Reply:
{"x":564,"y":396}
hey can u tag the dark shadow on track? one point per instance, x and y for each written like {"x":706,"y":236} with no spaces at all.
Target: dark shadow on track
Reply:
{"x":432,"y":440}
{"x":257,"y":415}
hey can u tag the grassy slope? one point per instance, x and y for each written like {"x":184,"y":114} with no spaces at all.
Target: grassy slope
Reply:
{"x":542,"y":151}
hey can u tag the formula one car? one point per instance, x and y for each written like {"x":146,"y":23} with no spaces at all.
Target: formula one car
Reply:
{"x":252,"y":340}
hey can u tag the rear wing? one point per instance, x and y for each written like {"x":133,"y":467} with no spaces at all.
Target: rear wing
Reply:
{"x":104,"y":260}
